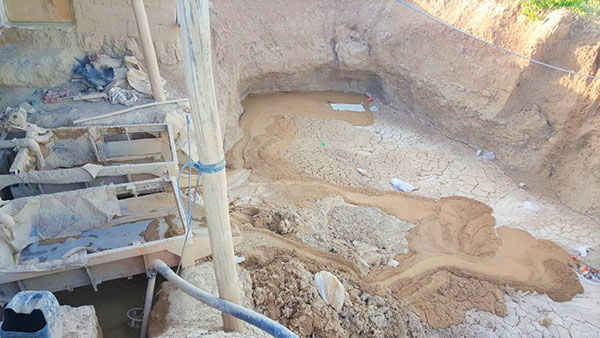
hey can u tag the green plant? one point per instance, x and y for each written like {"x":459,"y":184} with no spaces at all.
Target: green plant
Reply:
{"x":536,"y":9}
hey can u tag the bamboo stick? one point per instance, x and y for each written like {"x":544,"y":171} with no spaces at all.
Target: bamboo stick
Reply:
{"x":141,"y":20}
{"x":126,"y":110}
{"x":193,"y":16}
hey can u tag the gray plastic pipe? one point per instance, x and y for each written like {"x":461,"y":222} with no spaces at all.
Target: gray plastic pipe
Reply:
{"x":262,"y":322}
{"x":28,"y":143}
{"x":148,"y":302}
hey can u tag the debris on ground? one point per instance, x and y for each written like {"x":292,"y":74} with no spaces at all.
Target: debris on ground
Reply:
{"x":581,"y":249}
{"x":27,"y":107}
{"x":587,"y":262}
{"x":55,"y":95}
{"x":587,"y":272}
{"x":118,"y":95}
{"x":93,"y":97}
{"x":102,"y":61}
{"x":121,"y":81}
{"x":488,"y":155}
{"x":528,"y":205}
{"x":393,"y":263}
{"x":401,"y":185}
{"x":331,"y":289}
{"x":373,"y":109}
{"x":137,"y":76}
{"x":361,"y":171}
{"x":547,"y":321}
{"x":97,"y":78}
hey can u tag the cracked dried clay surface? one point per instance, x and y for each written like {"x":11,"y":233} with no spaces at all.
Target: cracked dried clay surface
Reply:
{"x":295,"y":174}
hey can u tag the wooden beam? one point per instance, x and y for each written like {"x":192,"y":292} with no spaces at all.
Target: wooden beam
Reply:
{"x":126,"y":110}
{"x":141,"y":20}
{"x":193,"y":16}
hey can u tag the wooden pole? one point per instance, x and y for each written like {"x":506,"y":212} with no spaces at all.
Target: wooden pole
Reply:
{"x":141,"y":20}
{"x":126,"y":110}
{"x":193,"y":17}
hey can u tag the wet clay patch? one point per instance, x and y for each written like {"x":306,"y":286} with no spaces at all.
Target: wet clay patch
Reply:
{"x":458,"y":259}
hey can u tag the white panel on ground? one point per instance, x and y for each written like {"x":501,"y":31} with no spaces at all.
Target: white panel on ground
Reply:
{"x":347,"y":107}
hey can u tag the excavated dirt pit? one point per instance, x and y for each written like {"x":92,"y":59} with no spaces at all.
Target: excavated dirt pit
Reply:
{"x":462,"y":255}
{"x":471,"y":252}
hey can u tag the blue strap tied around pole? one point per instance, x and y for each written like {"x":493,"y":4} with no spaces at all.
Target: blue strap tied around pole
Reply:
{"x":209,"y":168}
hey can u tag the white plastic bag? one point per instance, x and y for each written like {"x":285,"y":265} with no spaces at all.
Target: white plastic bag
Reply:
{"x":331,"y":289}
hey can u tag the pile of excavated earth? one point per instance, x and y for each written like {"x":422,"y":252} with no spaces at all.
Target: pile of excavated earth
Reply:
{"x":462,"y":202}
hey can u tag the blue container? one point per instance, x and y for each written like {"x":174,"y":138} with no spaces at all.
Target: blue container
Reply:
{"x":32,"y":314}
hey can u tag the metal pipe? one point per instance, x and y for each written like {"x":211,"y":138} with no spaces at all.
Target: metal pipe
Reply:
{"x":262,"y":322}
{"x":148,"y":302}
{"x":28,"y":143}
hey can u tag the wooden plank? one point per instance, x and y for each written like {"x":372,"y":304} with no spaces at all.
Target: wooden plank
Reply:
{"x":126,"y":110}
{"x":146,"y":146}
{"x":172,"y":244}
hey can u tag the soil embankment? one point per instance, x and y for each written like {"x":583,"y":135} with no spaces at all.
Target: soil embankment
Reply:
{"x":540,"y":123}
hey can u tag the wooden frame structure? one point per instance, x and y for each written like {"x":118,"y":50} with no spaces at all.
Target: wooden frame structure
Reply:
{"x":120,"y":153}
{"x":123,"y":261}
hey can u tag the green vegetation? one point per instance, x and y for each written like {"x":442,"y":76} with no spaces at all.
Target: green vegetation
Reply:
{"x":537,"y":9}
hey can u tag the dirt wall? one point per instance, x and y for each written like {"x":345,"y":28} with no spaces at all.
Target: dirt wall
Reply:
{"x":541,"y":124}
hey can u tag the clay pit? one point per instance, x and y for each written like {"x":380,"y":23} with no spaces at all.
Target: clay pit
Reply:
{"x":501,"y":156}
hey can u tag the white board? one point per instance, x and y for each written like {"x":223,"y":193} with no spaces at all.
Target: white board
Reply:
{"x":347,"y":107}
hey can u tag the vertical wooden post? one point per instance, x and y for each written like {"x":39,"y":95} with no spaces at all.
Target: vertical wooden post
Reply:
{"x":141,"y":19}
{"x":193,"y":16}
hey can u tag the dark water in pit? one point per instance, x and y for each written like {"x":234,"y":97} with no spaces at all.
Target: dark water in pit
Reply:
{"x":112,"y":301}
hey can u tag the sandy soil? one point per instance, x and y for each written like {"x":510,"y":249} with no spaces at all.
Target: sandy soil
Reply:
{"x":303,"y":205}
{"x":452,"y":256}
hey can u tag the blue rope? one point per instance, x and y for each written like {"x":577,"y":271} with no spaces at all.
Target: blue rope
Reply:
{"x":209,"y":168}
{"x":201,"y":168}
